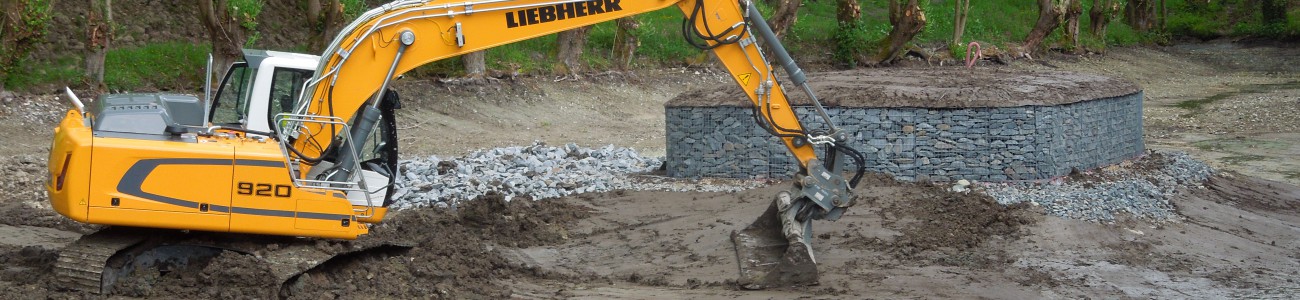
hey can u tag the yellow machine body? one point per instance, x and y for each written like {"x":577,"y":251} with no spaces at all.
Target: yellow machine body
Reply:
{"x":235,"y":181}
{"x":231,"y":183}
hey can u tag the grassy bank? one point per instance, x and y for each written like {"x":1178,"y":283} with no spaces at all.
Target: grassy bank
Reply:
{"x":816,"y":38}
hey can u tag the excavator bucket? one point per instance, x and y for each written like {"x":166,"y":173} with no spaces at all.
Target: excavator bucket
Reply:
{"x":774,"y":251}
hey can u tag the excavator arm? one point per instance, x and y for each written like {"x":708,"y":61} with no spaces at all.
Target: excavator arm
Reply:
{"x":341,"y":103}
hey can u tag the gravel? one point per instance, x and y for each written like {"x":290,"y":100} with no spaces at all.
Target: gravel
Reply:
{"x":1139,"y":188}
{"x":539,"y":172}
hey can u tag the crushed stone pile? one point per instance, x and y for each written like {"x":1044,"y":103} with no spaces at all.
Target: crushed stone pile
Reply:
{"x":1139,"y":189}
{"x":539,"y":171}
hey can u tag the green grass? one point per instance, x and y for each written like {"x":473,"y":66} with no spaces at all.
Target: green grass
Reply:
{"x":815,"y":38}
{"x":1239,"y":159}
{"x":43,"y":76}
{"x":163,"y":66}
{"x":660,"y":36}
{"x":1213,"y":19}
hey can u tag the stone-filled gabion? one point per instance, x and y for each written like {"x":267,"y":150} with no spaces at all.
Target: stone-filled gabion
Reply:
{"x":919,"y":144}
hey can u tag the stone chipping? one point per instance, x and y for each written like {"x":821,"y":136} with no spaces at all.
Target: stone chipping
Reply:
{"x":1110,"y":193}
{"x":540,"y":171}
{"x":1140,"y":188}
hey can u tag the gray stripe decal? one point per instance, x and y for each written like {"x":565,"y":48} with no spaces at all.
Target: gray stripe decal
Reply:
{"x":133,"y":181}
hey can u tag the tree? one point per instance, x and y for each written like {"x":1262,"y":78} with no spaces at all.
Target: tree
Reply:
{"x":229,"y":22}
{"x":961,"y":10}
{"x":23,"y":23}
{"x":1140,"y":14}
{"x":784,"y":16}
{"x":1073,"y":9}
{"x":1273,"y":12}
{"x":848,"y":11}
{"x":475,"y":64}
{"x":907,"y":19}
{"x":326,"y":18}
{"x":569,"y":50}
{"x":1101,"y":13}
{"x":1049,"y":17}
{"x":99,"y":35}
{"x":626,"y":42}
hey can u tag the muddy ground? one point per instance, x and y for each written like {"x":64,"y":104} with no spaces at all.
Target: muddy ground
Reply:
{"x":1238,"y":238}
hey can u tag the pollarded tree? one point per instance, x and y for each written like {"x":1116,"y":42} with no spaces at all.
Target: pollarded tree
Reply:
{"x":1073,"y":9}
{"x":327,"y":18}
{"x":568,"y":50}
{"x":1273,"y":12}
{"x":848,"y":11}
{"x":908,"y":19}
{"x":475,"y":64}
{"x":626,"y":42}
{"x":1140,"y":14}
{"x":99,"y":35}
{"x":1100,"y":15}
{"x":1049,"y":17}
{"x":785,"y":15}
{"x":229,"y":23}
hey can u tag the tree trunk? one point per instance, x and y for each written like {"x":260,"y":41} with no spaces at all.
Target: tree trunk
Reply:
{"x":1164,"y":15}
{"x":907,"y":19}
{"x":848,"y":11}
{"x":224,"y":32}
{"x":784,"y":16}
{"x":327,"y":19}
{"x":569,"y":50}
{"x":1100,"y":14}
{"x":961,"y":10}
{"x":1074,"y":8}
{"x":626,"y":42}
{"x":99,"y":35}
{"x":314,"y":8}
{"x":335,"y":19}
{"x":475,"y":64}
{"x":1049,"y":17}
{"x":1139,"y":14}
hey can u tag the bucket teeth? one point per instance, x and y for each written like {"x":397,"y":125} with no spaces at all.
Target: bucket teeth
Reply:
{"x":773,"y":251}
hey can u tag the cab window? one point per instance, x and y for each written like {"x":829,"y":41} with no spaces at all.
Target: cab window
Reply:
{"x":286,"y":85}
{"x":230,"y":107}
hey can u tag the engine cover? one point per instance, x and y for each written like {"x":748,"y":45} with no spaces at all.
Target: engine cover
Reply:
{"x":145,"y":113}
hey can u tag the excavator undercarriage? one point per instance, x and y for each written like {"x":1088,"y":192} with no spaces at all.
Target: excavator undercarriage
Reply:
{"x":97,"y":262}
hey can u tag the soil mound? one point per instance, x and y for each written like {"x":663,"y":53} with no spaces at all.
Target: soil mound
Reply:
{"x":455,"y":254}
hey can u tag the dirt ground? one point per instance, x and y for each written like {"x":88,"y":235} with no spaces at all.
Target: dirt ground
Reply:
{"x":933,"y":87}
{"x":1238,"y":238}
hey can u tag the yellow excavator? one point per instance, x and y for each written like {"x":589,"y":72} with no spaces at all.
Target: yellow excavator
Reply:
{"x":297,"y":145}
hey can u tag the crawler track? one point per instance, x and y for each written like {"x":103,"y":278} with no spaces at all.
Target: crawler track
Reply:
{"x":95,"y":262}
{"x":81,"y":264}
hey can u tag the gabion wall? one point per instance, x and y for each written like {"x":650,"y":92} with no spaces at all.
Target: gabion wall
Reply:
{"x":934,"y":144}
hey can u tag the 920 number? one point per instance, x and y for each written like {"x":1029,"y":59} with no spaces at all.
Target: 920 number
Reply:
{"x":264,"y":189}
